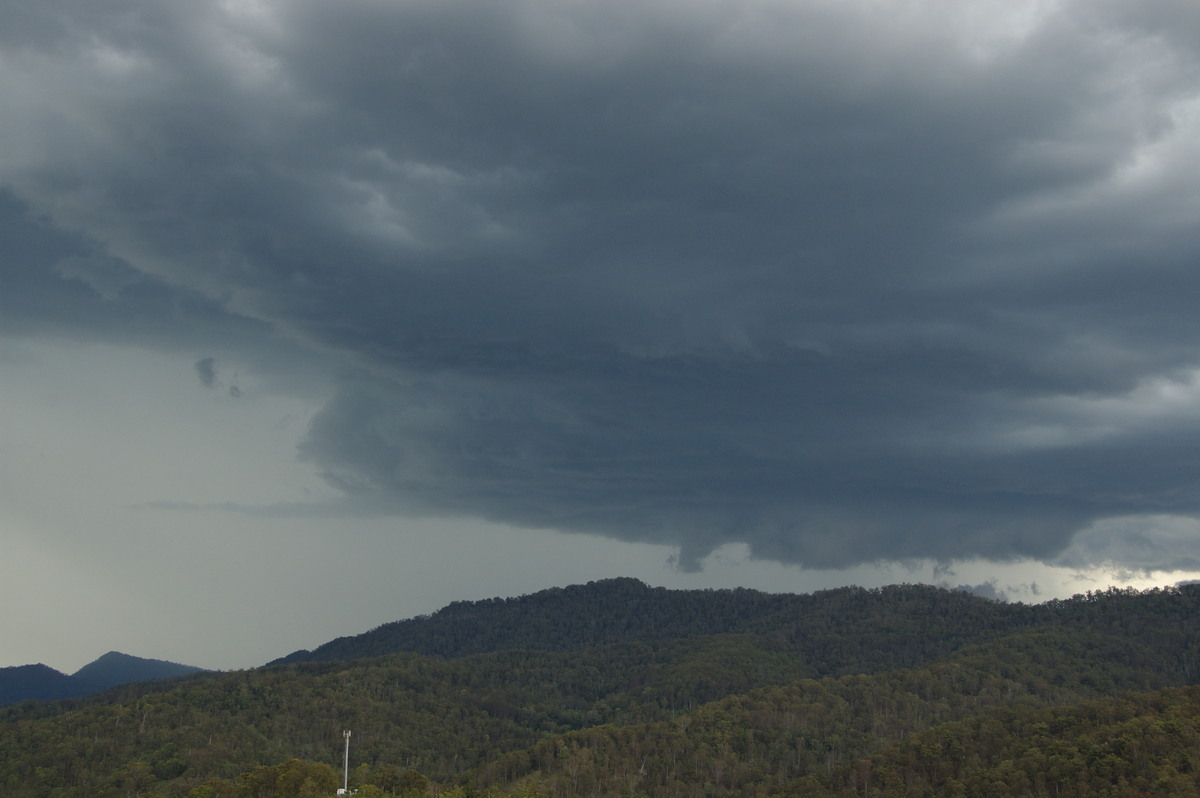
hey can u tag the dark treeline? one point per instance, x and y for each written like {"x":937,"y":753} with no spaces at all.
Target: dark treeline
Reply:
{"x":626,"y":610}
{"x":559,"y":619}
{"x":818,"y":696}
{"x":844,"y":630}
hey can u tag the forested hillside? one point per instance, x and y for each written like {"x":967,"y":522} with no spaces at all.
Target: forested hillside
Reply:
{"x":840,"y":692}
{"x":626,"y":610}
{"x":560,"y":619}
{"x":40,"y":682}
{"x":1132,"y":745}
{"x":116,"y":668}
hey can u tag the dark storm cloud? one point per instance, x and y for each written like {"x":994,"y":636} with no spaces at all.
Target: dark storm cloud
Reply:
{"x":56,"y":283}
{"x":206,"y":370}
{"x":845,"y":282}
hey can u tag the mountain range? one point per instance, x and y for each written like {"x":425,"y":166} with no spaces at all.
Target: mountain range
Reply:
{"x":625,"y":610}
{"x":617,"y":689}
{"x":43,"y":683}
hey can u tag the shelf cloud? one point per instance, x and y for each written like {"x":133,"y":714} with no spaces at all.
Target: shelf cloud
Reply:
{"x":843,"y":282}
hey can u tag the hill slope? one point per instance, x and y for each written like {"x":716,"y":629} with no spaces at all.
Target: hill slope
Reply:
{"x":39,"y":682}
{"x":806,"y":688}
{"x":558,"y":619}
{"x":116,"y":668}
{"x":1133,"y":745}
{"x":626,"y":610}
{"x":43,"y":683}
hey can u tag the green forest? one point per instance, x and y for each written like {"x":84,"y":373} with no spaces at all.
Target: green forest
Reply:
{"x":617,"y":689}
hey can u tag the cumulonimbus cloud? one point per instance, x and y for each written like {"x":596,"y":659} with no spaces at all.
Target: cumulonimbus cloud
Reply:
{"x":845,"y":282}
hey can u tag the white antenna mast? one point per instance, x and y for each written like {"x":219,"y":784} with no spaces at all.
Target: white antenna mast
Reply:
{"x":346,"y":766}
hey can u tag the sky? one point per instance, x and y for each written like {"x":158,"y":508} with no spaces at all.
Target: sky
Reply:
{"x":317,"y":315}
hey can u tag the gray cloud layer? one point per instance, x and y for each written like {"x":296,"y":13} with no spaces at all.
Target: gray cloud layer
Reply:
{"x":843,"y":281}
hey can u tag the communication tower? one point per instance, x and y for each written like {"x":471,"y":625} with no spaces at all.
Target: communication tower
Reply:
{"x":345,"y":790}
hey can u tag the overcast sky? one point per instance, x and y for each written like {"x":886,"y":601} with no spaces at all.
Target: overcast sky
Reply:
{"x":316,"y":315}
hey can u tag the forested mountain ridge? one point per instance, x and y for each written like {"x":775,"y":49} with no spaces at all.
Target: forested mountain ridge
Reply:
{"x":39,"y":683}
{"x":838,"y":631}
{"x":626,"y":610}
{"x":800,"y":699}
{"x":116,"y":668}
{"x":43,"y":683}
{"x":558,"y":619}
{"x":809,"y":735}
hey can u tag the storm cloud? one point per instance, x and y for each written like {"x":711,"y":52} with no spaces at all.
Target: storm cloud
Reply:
{"x":206,"y":370}
{"x":845,"y":282}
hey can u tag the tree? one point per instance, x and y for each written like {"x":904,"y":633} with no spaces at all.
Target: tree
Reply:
{"x":293,"y":779}
{"x":412,"y":784}
{"x":214,"y":788}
